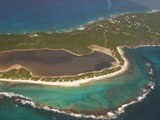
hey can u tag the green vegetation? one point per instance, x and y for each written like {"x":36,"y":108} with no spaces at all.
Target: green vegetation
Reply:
{"x":132,"y":30}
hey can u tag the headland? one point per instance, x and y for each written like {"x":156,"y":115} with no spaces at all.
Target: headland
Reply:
{"x":106,"y":36}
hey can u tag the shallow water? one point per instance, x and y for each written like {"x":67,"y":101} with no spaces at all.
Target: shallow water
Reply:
{"x":149,"y":108}
{"x":20,"y":16}
{"x":105,"y":94}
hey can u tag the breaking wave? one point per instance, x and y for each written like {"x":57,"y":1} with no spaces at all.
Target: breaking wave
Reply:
{"x":112,"y":114}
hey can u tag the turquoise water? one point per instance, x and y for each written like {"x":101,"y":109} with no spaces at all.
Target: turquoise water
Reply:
{"x":93,"y":96}
{"x":110,"y":93}
{"x":20,"y":16}
{"x":148,"y":109}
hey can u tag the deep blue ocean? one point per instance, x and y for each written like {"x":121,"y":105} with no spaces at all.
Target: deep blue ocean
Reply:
{"x":21,"y":16}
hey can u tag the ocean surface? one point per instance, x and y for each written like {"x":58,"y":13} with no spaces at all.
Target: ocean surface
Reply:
{"x":21,"y":16}
{"x":110,"y":93}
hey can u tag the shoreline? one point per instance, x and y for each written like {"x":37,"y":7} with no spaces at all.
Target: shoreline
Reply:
{"x":124,"y":68}
{"x":77,"y":82}
{"x":92,"y":48}
{"x":82,"y":26}
{"x":110,"y":114}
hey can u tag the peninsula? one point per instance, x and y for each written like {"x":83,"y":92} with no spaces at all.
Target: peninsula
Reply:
{"x":98,"y":44}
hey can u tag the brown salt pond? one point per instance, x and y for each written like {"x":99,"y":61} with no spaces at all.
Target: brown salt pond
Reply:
{"x":55,"y":62}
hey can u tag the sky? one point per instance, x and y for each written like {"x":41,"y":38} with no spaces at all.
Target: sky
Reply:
{"x":153,"y":4}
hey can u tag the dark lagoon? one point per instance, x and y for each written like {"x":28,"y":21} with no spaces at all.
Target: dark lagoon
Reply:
{"x":21,"y":16}
{"x":55,"y":62}
{"x":93,"y":97}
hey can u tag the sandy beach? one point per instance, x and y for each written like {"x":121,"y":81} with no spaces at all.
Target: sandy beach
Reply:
{"x":77,"y":82}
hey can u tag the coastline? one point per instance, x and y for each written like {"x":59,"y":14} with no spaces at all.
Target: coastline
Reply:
{"x":110,"y":114}
{"x":92,"y":48}
{"x":83,"y":26}
{"x":124,"y":68}
{"x":77,"y":82}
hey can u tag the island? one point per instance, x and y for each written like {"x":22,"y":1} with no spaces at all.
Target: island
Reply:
{"x":78,"y":56}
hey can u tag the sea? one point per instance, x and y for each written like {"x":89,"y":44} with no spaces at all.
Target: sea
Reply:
{"x":34,"y":102}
